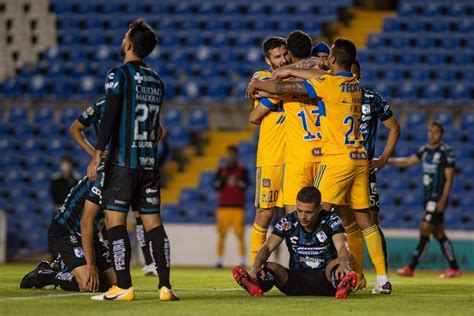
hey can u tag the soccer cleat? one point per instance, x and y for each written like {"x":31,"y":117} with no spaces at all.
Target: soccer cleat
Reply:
{"x":150,"y":270}
{"x":167,"y":294}
{"x":361,"y":284}
{"x":405,"y":271}
{"x":451,"y":273}
{"x":248,"y":283}
{"x":30,"y":280}
{"x":385,"y":288}
{"x":346,"y":285}
{"x":116,"y":294}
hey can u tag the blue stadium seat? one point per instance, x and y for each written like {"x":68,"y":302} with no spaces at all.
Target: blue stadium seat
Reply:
{"x":178,"y":136}
{"x":172,"y":116}
{"x":198,"y":119}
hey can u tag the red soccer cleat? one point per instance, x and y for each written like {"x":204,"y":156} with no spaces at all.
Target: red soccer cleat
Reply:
{"x":451,"y":273}
{"x":248,"y":283}
{"x":405,"y":271}
{"x":346,"y":285}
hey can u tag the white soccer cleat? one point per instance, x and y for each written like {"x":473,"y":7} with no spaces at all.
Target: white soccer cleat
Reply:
{"x":150,"y":270}
{"x":385,"y":288}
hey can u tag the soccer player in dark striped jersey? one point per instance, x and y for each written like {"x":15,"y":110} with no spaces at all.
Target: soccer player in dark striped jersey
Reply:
{"x":374,"y":109}
{"x":319,"y":257}
{"x":131,"y":127}
{"x":64,"y":241}
{"x":92,"y":116}
{"x":438,"y":162}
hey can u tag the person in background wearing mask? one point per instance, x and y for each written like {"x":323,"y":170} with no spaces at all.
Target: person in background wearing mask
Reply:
{"x":231,"y":180}
{"x":63,"y":181}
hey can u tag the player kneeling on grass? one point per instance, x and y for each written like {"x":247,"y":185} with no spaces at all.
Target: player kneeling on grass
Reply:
{"x":73,"y":238}
{"x":319,"y":256}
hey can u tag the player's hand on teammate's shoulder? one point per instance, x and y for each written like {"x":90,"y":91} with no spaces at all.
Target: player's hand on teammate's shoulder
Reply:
{"x":251,"y":91}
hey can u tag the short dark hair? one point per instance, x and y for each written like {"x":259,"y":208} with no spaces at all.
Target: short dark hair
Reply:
{"x":356,"y":63}
{"x":143,"y":38}
{"x":299,"y":44}
{"x":345,"y":52}
{"x":272,"y":43}
{"x":309,"y":194}
{"x":438,"y":124}
{"x":233,"y":149}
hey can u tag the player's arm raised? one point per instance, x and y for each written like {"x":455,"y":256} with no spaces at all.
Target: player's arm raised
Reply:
{"x":264,"y":253}
{"x":276,"y":87}
{"x":76,"y":130}
{"x":301,"y":73}
{"x":404,"y":162}
{"x":393,"y":128}
{"x":448,"y":184}
{"x":87,"y":238}
{"x":343,"y":254}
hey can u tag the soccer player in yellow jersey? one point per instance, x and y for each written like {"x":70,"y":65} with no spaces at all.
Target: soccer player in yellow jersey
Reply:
{"x":302,"y":134}
{"x":271,"y":145}
{"x":343,"y":174}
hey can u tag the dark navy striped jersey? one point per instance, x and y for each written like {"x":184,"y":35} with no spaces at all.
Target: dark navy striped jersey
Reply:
{"x":434,"y":163}
{"x":310,"y":250}
{"x":70,"y":213}
{"x":131,"y":117}
{"x":374,"y":108}
{"x":92,"y":115}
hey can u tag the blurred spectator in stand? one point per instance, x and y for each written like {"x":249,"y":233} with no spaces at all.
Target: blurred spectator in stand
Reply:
{"x":63,"y":181}
{"x":231,"y":180}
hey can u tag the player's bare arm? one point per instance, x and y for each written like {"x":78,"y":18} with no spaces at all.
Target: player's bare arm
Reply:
{"x":264,"y":253}
{"x":258,"y":113}
{"x":343,"y":254}
{"x":393,"y":128}
{"x":276,"y":87}
{"x":448,"y":184}
{"x":404,"y":162}
{"x":76,"y":130}
{"x":109,"y":117}
{"x":302,"y":73}
{"x":87,"y":237}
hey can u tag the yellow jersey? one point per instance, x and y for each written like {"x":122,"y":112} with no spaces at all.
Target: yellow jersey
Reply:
{"x":302,"y":130}
{"x":340,"y":111}
{"x":271,"y":139}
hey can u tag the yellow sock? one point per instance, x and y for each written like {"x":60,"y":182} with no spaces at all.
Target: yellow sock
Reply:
{"x":374,"y":246}
{"x":257,"y":239}
{"x":356,"y":246}
{"x":220,"y":245}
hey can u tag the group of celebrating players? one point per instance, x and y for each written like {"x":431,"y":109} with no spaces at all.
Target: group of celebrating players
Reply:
{"x":317,"y":144}
{"x":315,"y":154}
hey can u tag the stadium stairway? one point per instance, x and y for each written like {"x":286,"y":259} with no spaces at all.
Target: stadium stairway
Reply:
{"x":213,"y":152}
{"x":363,"y":23}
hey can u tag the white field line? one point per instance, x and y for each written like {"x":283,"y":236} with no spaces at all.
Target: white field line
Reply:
{"x":26,"y":298}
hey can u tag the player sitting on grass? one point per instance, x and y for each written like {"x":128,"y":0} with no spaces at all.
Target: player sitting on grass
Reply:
{"x":319,"y":257}
{"x":64,"y":241}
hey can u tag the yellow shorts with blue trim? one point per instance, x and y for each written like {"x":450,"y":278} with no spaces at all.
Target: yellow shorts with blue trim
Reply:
{"x":344,"y":185}
{"x":268,"y":187}
{"x":297,"y":176}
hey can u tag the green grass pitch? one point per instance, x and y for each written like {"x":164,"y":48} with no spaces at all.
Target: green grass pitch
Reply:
{"x":214,"y":292}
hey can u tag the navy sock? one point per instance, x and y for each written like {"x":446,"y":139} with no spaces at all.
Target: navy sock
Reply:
{"x":160,"y":251}
{"x":119,"y":245}
{"x":64,"y":280}
{"x":143,"y":242}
